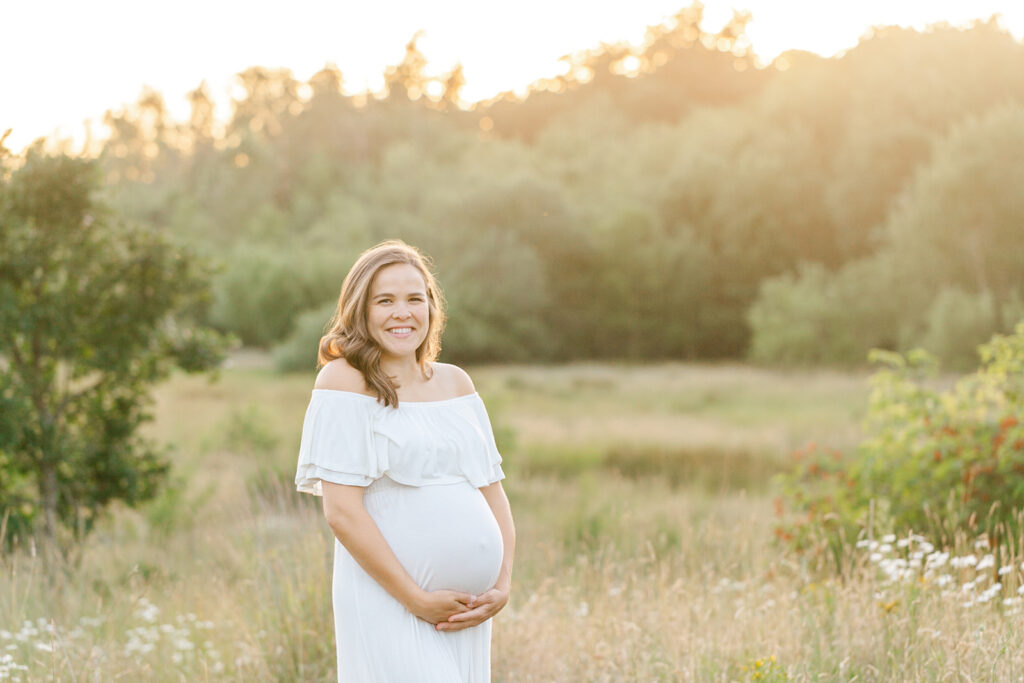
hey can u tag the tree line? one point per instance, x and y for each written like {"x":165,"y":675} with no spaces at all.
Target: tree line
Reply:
{"x":668,"y":201}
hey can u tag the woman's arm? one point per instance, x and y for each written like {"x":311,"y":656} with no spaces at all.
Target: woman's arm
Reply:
{"x":356,"y":530}
{"x":488,"y":604}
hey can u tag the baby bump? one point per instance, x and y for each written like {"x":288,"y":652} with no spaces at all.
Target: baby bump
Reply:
{"x":444,"y":535}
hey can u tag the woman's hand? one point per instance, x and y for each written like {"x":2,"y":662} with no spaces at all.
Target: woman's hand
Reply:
{"x":485,"y":606}
{"x":438,"y":606}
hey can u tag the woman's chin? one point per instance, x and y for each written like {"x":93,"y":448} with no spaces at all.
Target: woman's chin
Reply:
{"x":398,"y":351}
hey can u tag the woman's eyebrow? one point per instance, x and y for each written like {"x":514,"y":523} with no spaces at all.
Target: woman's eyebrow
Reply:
{"x":377,"y":296}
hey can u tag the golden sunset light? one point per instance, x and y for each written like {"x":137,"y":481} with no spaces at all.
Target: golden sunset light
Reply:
{"x":79,"y":59}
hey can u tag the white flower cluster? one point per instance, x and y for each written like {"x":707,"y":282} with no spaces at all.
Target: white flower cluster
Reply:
{"x":10,"y":670}
{"x":967,"y":578}
{"x":37,"y":635}
{"x":185,"y":639}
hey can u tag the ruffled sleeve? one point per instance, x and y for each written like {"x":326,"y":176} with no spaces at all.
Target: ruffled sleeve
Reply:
{"x":492,"y":457}
{"x":338,"y":443}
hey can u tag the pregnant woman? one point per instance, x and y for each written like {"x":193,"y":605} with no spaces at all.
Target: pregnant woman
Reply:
{"x":402,"y":451}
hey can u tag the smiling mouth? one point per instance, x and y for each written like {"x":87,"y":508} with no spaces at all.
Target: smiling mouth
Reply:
{"x":400,"y":331}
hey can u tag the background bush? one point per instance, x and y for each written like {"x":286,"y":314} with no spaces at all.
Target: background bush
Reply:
{"x":938,"y":461}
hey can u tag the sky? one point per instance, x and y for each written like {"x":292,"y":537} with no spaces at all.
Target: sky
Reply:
{"x":65,"y":61}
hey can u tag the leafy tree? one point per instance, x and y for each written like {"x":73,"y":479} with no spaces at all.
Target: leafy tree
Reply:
{"x":261,"y":291}
{"x":92,"y":312}
{"x":901,"y":90}
{"x":959,"y":222}
{"x":651,"y":288}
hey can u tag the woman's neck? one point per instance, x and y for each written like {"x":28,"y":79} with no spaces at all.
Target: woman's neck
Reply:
{"x":406,"y":372}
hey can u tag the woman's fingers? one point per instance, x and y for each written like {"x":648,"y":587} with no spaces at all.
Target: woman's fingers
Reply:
{"x":477,"y":615}
{"x":464,"y":620}
{"x":477,"y":610}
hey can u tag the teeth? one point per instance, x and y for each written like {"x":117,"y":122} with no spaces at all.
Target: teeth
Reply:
{"x":400,"y":330}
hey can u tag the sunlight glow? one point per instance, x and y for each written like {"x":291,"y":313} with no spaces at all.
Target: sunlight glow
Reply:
{"x":102,"y":53}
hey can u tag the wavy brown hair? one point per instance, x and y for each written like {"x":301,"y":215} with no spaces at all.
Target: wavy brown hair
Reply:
{"x":349,"y":337}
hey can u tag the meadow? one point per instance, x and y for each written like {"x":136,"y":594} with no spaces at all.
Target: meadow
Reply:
{"x":645,"y":514}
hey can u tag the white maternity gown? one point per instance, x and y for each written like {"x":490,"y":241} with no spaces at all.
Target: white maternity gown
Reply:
{"x":422,"y":464}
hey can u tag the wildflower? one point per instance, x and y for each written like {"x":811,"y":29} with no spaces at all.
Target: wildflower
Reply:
{"x":987,"y":562}
{"x":147,"y":611}
{"x":1005,"y":569}
{"x":961,"y":562}
{"x":889,"y":538}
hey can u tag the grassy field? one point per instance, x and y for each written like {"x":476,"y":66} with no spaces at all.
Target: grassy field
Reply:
{"x":646,"y":552}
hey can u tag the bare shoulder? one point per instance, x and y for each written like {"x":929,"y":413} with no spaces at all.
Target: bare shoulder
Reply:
{"x":455,"y":378}
{"x":338,"y":375}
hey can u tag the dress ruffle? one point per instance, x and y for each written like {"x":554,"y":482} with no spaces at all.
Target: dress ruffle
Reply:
{"x":350,"y":438}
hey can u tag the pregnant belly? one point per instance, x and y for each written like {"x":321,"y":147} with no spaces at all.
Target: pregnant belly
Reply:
{"x":444,"y":535}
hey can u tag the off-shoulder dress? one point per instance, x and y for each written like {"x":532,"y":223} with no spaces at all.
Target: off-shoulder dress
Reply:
{"x":422,"y":464}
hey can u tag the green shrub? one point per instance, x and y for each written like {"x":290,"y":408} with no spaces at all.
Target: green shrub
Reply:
{"x":262,"y":290}
{"x":957,"y":322}
{"x":820,"y":317}
{"x":298,"y":351}
{"x":936,"y":461}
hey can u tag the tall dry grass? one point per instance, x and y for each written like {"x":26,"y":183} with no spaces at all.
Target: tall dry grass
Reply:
{"x":622,"y":573}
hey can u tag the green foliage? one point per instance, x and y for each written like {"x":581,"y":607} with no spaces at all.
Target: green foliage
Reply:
{"x":673,"y":211}
{"x":957,"y":322}
{"x":92,"y":312}
{"x":262,"y":290}
{"x":936,"y":461}
{"x":817,"y":317}
{"x":959,"y":222}
{"x":298,"y":351}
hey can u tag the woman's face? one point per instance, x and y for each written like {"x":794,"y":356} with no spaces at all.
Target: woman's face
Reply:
{"x":397,"y":313}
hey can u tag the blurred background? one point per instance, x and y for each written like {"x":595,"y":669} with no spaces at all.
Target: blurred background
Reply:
{"x":669,"y":238}
{"x":676,"y":198}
